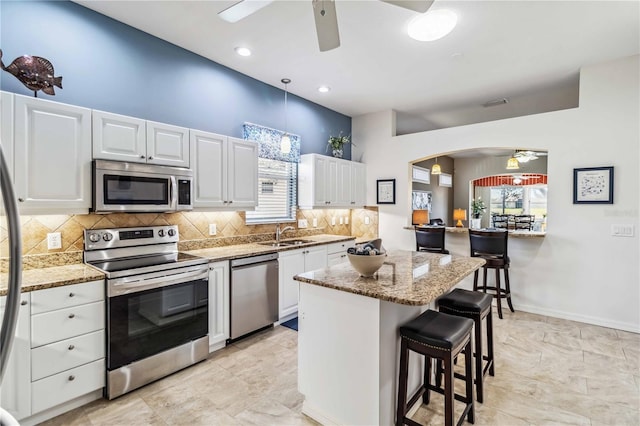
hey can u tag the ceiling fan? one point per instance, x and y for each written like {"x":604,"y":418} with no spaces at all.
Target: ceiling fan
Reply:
{"x":324,"y":13}
{"x":525,"y":156}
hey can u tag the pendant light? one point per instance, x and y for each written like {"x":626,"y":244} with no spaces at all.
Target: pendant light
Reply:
{"x":435,"y":169}
{"x":512,"y":163}
{"x":285,"y":141}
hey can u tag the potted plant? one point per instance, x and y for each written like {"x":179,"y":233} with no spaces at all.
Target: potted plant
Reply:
{"x":477,"y":208}
{"x":337,"y":143}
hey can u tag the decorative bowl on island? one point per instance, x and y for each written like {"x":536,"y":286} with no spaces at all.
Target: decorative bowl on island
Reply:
{"x":367,"y":258}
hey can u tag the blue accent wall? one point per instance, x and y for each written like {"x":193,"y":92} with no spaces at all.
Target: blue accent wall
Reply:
{"x":110,"y":66}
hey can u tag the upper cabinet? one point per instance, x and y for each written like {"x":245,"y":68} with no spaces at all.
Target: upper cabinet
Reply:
{"x":330,"y":182}
{"x":122,"y":138}
{"x":225,"y":171}
{"x":52,"y":156}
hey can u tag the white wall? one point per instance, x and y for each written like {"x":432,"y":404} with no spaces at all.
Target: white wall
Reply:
{"x":578,"y":271}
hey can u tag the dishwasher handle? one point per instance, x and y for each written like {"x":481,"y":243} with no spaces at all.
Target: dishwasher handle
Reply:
{"x":245,"y":261}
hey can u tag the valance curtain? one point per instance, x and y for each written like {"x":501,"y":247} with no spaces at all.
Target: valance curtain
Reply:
{"x":269,"y":142}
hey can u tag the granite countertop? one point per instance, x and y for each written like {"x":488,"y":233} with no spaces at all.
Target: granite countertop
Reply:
{"x":512,"y":233}
{"x":55,"y":276}
{"x":216,"y":254}
{"x":407,"y":277}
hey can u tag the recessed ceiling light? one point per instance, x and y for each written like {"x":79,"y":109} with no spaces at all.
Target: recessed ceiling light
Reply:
{"x":324,"y":89}
{"x":432,"y":25}
{"x":243,"y":51}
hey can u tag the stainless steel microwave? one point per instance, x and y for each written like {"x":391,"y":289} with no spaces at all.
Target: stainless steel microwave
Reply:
{"x":140,"y":188}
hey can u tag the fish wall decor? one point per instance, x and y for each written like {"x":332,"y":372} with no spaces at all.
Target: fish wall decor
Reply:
{"x":34,"y":72}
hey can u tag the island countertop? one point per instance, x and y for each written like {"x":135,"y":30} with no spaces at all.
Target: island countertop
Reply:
{"x":406,"y":277}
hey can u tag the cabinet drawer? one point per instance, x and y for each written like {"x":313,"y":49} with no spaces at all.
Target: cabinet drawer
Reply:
{"x":340,"y":247}
{"x":66,"y":296}
{"x":66,"y":323}
{"x":336,"y":258}
{"x":65,"y":386}
{"x":60,"y":356}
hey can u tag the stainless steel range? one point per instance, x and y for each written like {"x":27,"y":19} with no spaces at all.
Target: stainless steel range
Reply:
{"x":157,"y":304}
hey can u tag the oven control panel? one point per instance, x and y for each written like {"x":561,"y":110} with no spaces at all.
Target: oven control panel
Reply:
{"x":98,"y":239}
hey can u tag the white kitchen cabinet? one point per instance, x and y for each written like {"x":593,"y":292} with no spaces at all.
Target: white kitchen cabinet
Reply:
{"x":218,"y":305}
{"x":15,"y":394}
{"x":6,"y":128}
{"x":290,"y":264}
{"x":118,"y":137}
{"x":52,"y":156}
{"x":167,"y":145}
{"x":225,"y":171}
{"x":337,"y":252}
{"x":330,"y":182}
{"x":121,"y":138}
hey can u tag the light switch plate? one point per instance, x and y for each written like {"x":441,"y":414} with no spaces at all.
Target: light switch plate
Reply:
{"x":341,"y":220}
{"x":213,"y":229}
{"x":366,"y":220}
{"x":315,"y":222}
{"x":346,"y":220}
{"x":54,"y":241}
{"x":302,"y":223}
{"x":333,"y":221}
{"x":622,"y":230}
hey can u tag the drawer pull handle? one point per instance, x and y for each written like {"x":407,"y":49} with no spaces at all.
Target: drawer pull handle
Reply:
{"x":72,"y":378}
{"x":24,"y":302}
{"x":71,"y":294}
{"x":72,"y":315}
{"x":71,"y":347}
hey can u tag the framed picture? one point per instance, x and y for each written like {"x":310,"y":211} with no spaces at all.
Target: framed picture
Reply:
{"x":445,"y":179}
{"x":386,"y":193}
{"x":593,"y":185}
{"x":421,"y":200}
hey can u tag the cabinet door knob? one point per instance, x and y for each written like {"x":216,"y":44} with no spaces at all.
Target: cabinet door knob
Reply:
{"x":71,"y":294}
{"x":23,"y":303}
{"x":150,"y":157}
{"x":141,"y":156}
{"x":72,"y":315}
{"x":230,"y":202}
{"x":71,"y":347}
{"x":21,"y":200}
{"x":72,"y":378}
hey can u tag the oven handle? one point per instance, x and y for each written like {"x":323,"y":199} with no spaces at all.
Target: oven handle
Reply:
{"x":135,"y":284}
{"x":174,"y":193}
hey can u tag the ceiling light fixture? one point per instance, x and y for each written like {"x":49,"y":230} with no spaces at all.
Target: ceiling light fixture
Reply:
{"x":243,"y":51}
{"x":432,"y":25}
{"x":512,"y":163}
{"x":324,"y":89}
{"x":435,"y":169}
{"x":285,"y":141}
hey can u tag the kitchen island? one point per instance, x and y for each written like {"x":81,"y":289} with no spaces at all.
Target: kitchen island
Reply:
{"x":348,"y":341}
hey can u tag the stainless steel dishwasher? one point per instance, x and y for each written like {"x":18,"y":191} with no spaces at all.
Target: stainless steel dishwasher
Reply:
{"x":253,"y":293}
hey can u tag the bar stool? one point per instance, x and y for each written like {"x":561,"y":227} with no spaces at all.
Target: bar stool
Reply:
{"x":431,"y":239}
{"x":492,"y":247}
{"x":476,"y":306}
{"x":442,"y":337}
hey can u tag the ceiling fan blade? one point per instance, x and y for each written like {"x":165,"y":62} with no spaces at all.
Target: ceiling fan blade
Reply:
{"x":324,"y":13}
{"x":415,"y":5}
{"x":242,"y":9}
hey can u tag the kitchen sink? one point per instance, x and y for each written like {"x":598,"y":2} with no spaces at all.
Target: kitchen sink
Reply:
{"x":285,"y":243}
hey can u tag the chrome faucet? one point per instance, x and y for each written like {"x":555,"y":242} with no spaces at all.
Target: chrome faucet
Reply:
{"x":279,"y":231}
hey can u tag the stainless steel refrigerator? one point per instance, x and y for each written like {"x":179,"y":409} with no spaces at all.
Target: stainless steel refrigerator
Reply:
{"x":10,"y":318}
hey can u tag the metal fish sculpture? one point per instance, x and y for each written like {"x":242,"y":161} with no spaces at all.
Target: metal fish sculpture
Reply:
{"x":34,"y":72}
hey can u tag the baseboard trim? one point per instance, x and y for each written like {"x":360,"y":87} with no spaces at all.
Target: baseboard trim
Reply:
{"x":316,"y":415}
{"x":603,"y":322}
{"x":62,"y":408}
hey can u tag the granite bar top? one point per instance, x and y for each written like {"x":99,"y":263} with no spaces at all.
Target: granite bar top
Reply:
{"x":231,"y":252}
{"x":56,"y":276}
{"x":512,"y":233}
{"x":406,"y":277}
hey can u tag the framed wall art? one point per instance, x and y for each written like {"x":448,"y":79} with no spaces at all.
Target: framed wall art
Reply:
{"x":593,"y":185}
{"x":386,"y":191}
{"x":421,"y":200}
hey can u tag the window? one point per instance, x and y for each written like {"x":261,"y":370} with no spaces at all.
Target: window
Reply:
{"x":277,"y":192}
{"x":519,"y":200}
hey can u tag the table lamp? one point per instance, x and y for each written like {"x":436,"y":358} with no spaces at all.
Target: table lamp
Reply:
{"x":420,"y":217}
{"x":459,"y":215}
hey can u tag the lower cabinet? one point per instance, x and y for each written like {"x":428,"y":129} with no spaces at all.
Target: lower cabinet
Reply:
{"x":337,"y":252}
{"x":218,"y":305}
{"x":292,"y":263}
{"x":59,"y":351}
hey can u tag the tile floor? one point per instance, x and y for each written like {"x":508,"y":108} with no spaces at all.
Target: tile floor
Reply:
{"x":548,"y":371}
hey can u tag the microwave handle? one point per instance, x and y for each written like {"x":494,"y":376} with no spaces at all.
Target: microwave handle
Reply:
{"x":174,"y":193}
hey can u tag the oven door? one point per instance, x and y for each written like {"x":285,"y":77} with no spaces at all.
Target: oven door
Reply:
{"x":124,"y":191}
{"x":147,"y":322}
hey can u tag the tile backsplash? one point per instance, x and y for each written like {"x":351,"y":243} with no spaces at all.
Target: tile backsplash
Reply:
{"x":193,"y":227}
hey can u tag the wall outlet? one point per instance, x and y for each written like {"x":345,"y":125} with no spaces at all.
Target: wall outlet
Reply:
{"x":367,"y":220}
{"x":213,"y":229}
{"x":54,"y":240}
{"x":341,"y":220}
{"x":315,"y":222}
{"x":333,"y":221}
{"x":302,"y":223}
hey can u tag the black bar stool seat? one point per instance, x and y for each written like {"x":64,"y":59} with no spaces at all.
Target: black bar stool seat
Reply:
{"x":442,"y":337}
{"x":476,"y":306}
